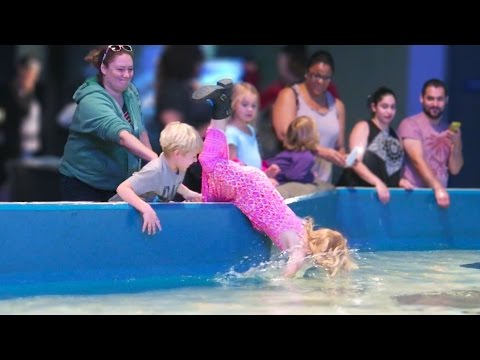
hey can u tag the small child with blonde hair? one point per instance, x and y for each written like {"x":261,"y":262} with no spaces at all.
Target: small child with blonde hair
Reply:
{"x":162,"y":177}
{"x":297,"y":161}
{"x":241,"y":135}
{"x":250,"y":190}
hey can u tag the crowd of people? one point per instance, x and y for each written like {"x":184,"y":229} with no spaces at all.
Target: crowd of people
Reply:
{"x":20,"y":116}
{"x":110,"y":156}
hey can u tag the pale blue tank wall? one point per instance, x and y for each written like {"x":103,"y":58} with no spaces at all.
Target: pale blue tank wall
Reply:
{"x":410,"y":221}
{"x":48,"y":242}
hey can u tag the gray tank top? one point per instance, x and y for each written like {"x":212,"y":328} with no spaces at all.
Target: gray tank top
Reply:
{"x":328,"y":129}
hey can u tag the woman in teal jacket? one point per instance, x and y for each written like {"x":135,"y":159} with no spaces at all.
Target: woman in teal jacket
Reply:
{"x":107,"y":138}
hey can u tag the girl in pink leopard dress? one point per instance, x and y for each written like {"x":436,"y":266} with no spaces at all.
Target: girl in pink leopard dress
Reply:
{"x":251,"y":191}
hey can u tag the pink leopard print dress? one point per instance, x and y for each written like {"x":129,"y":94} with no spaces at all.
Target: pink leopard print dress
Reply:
{"x":246,"y":187}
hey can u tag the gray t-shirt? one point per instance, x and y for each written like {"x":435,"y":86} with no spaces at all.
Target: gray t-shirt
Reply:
{"x":155,"y":178}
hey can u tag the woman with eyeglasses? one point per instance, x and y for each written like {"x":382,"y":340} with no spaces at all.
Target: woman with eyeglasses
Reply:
{"x":107,"y":139}
{"x":311,"y":98}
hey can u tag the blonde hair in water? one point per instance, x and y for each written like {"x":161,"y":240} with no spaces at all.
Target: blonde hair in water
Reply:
{"x":329,"y":249}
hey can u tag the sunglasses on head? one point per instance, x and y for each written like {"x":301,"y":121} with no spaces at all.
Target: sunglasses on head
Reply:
{"x":116,"y":48}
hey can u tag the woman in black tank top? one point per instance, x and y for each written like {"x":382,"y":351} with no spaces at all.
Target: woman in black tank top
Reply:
{"x":382,"y":160}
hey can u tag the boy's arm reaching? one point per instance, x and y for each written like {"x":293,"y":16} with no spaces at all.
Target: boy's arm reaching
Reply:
{"x":150,"y":220}
{"x":188,"y":194}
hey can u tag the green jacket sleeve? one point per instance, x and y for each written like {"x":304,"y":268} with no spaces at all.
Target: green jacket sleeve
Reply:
{"x":101,"y":117}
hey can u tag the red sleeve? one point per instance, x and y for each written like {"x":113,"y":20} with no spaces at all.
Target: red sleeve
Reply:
{"x":269,"y":95}
{"x":264,"y":165}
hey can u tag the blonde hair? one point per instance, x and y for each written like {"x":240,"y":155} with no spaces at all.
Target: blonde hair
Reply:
{"x":329,"y":249}
{"x":301,"y":135}
{"x":240,"y":90}
{"x":180,"y":136}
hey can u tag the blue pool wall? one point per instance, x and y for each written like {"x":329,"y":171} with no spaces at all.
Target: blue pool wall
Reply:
{"x":411,"y":220}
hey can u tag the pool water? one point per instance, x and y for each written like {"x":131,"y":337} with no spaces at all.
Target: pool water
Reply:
{"x":396,"y":282}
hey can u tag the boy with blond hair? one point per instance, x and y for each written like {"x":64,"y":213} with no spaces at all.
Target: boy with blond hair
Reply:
{"x":163,"y":177}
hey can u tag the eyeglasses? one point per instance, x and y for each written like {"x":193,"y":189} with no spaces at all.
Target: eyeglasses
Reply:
{"x":116,"y":48}
{"x":319,"y":77}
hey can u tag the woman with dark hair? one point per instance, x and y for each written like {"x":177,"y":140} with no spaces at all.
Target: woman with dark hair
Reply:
{"x":291,"y":63}
{"x":107,"y":139}
{"x":381,"y":159}
{"x":312,"y":98}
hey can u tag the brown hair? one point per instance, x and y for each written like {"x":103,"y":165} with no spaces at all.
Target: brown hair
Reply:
{"x":329,"y":249}
{"x":301,"y":135}
{"x":97,"y":57}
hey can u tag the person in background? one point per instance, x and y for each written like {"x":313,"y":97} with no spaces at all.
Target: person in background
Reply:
{"x":251,"y":72}
{"x":433,"y":149}
{"x":20,"y":116}
{"x":312,"y":98}
{"x":241,"y":136}
{"x":250,"y":190}
{"x":107,"y":138}
{"x":296,"y":163}
{"x":381,"y":162}
{"x":291,"y":63}
{"x":162,"y":177}
{"x":177,"y":78}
